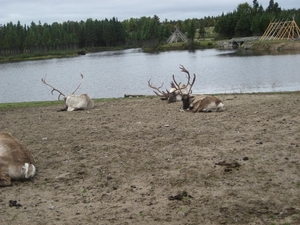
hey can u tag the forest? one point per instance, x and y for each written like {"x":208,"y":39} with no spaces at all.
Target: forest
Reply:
{"x":145,"y":32}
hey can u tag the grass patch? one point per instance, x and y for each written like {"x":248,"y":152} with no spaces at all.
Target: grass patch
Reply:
{"x":275,"y":44}
{"x":37,"y":56}
{"x":7,"y":106}
{"x":199,"y":44}
{"x":55,"y":54}
{"x":4,"y":106}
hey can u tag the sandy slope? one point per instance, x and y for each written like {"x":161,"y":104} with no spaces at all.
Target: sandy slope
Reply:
{"x":126,"y":161}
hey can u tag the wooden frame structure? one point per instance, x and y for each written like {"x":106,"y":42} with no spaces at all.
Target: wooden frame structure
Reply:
{"x":176,"y":36}
{"x":281,"y":30}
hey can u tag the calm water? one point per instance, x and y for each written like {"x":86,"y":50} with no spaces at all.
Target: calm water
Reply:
{"x":113,"y":74}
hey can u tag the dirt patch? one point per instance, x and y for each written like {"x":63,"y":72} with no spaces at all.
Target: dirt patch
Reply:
{"x":141,"y":161}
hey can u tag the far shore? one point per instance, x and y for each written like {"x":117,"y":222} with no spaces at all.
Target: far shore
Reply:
{"x":262,"y":46}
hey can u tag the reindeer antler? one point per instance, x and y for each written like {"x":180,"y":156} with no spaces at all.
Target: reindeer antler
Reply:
{"x":176,"y":85}
{"x":79,"y":84}
{"x":162,"y":93}
{"x":188,"y":82}
{"x":53,"y":88}
{"x":189,"y":77}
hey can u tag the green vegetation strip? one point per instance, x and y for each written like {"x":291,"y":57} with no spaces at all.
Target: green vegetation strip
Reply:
{"x":28,"y":104}
{"x":4,"y":106}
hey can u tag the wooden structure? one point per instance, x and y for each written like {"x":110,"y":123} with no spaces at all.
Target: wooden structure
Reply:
{"x":281,"y":31}
{"x":176,"y":36}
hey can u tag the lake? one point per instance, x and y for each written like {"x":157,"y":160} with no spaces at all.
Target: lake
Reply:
{"x":112,"y":74}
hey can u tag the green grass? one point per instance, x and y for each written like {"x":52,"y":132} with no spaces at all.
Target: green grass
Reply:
{"x":56,"y":54}
{"x":37,"y":56}
{"x":7,"y":106}
{"x":199,"y":44}
{"x":15,"y":216}
{"x":28,"y":104}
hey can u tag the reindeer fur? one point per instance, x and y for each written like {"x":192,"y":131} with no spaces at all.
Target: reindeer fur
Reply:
{"x":73,"y":102}
{"x":16,"y":161}
{"x":78,"y":102}
{"x":202,"y":103}
{"x":198,"y":103}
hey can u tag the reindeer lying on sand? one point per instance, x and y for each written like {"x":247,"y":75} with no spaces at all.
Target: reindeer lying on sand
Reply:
{"x":74,"y":102}
{"x":16,"y":161}
{"x":197,"y":103}
{"x":173,"y":94}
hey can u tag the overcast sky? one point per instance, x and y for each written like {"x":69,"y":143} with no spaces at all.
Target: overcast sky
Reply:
{"x":46,"y":11}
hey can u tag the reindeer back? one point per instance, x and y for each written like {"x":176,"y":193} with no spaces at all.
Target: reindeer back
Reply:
{"x":11,"y":150}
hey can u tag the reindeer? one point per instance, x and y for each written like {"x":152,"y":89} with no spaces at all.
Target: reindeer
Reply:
{"x":16,"y":161}
{"x":73,"y":102}
{"x":173,"y":94}
{"x":198,"y":103}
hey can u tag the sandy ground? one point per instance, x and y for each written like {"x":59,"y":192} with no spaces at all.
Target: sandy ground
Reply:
{"x":141,"y":161}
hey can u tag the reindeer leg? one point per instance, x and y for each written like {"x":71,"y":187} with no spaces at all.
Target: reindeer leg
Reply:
{"x":4,"y":177}
{"x":198,"y":109}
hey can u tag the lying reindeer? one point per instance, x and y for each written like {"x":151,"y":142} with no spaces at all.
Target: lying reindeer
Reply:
{"x":173,"y":94}
{"x":198,"y":103}
{"x":16,"y":161}
{"x":73,"y":102}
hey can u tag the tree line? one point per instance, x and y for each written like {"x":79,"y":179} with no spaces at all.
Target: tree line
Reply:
{"x":246,"y":20}
{"x":253,"y":20}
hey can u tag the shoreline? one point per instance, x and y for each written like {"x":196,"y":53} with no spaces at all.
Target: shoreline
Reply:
{"x":10,"y":105}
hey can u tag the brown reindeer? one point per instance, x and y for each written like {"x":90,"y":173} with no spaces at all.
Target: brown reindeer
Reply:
{"x":173,"y":94}
{"x":16,"y":161}
{"x":198,"y":103}
{"x":73,"y":102}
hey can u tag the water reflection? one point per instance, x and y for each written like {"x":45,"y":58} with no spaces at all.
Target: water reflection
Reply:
{"x":115,"y":53}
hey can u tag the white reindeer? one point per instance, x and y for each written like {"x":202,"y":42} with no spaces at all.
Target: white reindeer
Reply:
{"x":198,"y":103}
{"x":16,"y":161}
{"x":74,"y":102}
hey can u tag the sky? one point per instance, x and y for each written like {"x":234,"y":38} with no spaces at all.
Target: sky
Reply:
{"x":49,"y":11}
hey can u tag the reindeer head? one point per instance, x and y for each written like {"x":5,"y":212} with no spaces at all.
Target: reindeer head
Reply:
{"x":175,"y":92}
{"x":185,"y":95}
{"x":163,"y":95}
